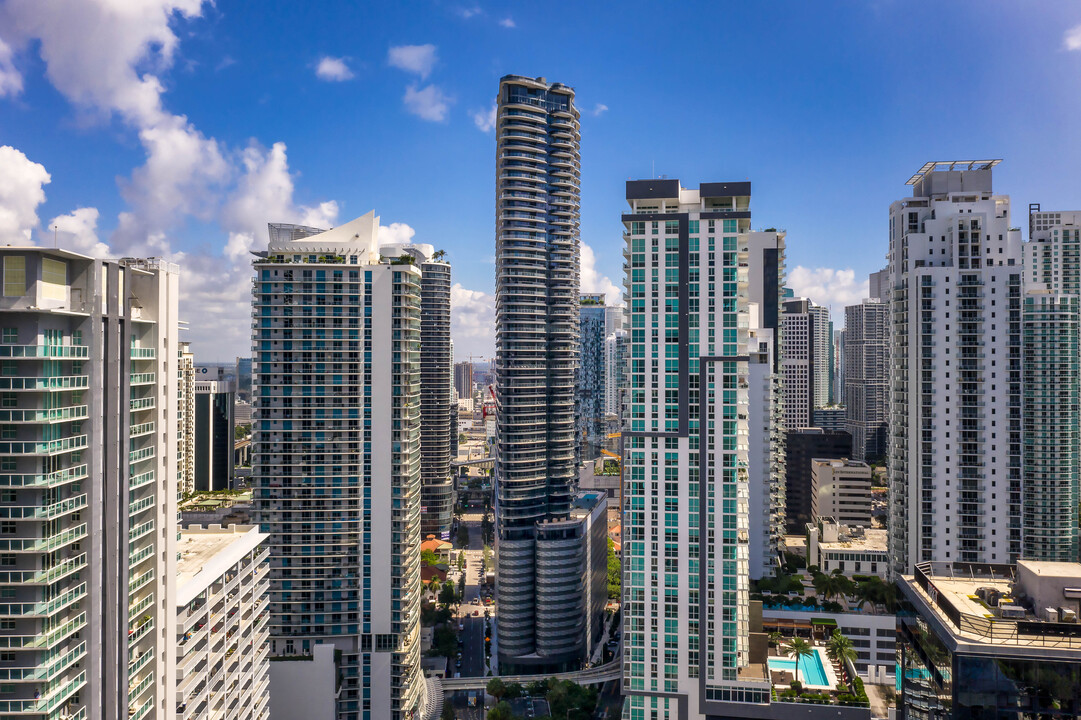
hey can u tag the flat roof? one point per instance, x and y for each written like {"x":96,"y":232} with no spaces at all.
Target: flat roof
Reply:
{"x":872,"y":541}
{"x":207,"y":553}
{"x":1051,"y":568}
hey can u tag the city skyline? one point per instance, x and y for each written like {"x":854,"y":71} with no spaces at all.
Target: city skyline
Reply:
{"x":188,"y":136}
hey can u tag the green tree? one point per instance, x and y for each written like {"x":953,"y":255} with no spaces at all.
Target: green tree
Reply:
{"x":798,"y":648}
{"x":568,"y":699}
{"x":461,"y":561}
{"x":463,"y":536}
{"x":614,"y":572}
{"x":833,"y":585}
{"x":496,"y":688}
{"x":448,"y":711}
{"x":839,"y":648}
{"x":444,"y":642}
{"x":512,"y":690}
{"x":487,"y":557}
{"x":500,"y":711}
{"x":447,"y":595}
{"x":428,"y":557}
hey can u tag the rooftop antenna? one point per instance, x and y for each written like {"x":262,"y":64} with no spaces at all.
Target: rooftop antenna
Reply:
{"x":54,"y":236}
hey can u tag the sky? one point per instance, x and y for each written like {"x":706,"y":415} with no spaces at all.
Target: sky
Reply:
{"x":180,"y":128}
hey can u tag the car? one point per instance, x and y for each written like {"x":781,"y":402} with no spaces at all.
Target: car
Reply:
{"x":476,"y":613}
{"x":461,"y":627}
{"x":476,"y":601}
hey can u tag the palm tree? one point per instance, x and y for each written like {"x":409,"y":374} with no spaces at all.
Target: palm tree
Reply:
{"x":839,"y":648}
{"x":832,"y":586}
{"x":798,"y":648}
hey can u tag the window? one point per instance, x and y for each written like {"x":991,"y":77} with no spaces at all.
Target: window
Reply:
{"x":7,"y":496}
{"x":54,"y":278}
{"x":11,"y":335}
{"x":9,"y":400}
{"x":8,"y":432}
{"x":14,"y":276}
{"x":7,"y":528}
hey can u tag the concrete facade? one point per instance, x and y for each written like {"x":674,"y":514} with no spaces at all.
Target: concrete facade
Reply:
{"x":841,"y":489}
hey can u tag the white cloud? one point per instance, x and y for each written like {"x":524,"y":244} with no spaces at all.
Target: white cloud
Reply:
{"x":22,"y":189}
{"x":396,"y":233}
{"x":76,"y":231}
{"x":468,"y":12}
{"x":333,"y":69}
{"x":599,"y":109}
{"x":11,"y":81}
{"x":1072,"y":39}
{"x":593,"y":281}
{"x":472,"y":321}
{"x":416,"y":59}
{"x":834,"y":289}
{"x":508,"y":23}
{"x":484,"y":119}
{"x":429,"y":103}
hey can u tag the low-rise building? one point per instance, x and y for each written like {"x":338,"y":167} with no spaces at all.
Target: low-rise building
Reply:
{"x":852,"y":550}
{"x":841,"y":489}
{"x":222,"y":667}
{"x":982,"y":640}
{"x":873,"y":636}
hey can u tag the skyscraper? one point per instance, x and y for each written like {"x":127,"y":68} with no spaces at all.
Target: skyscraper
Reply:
{"x":615,"y":359}
{"x":537,"y":216}
{"x":805,"y":353}
{"x":213,"y":462}
{"x":1051,"y":466}
{"x":955,"y":405}
{"x":336,"y":462}
{"x":867,"y":380}
{"x":596,"y":317}
{"x":463,"y":379}
{"x":185,"y":415}
{"x":88,"y":464}
{"x":687,"y":457}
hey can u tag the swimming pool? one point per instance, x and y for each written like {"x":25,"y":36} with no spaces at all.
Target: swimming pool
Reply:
{"x":811,"y":670}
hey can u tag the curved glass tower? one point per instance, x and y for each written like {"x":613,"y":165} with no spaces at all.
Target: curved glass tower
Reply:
{"x":537,"y":216}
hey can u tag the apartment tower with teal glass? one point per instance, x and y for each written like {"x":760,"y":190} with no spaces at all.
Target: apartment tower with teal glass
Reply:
{"x":336,"y":388}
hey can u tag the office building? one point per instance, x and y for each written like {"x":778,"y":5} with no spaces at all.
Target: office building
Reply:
{"x":185,"y":413}
{"x":690,"y":418}
{"x":841,"y":490}
{"x":214,"y":400}
{"x":983,"y":640}
{"x":831,"y":418}
{"x":801,"y":448}
{"x":537,"y":305}
{"x":805,"y":356}
{"x":223,"y":664}
{"x":436,"y":372}
{"x":337,"y":452}
{"x":463,"y":379}
{"x":867,"y":379}
{"x":243,"y":378}
{"x":595,"y":319}
{"x":88,"y":457}
{"x":955,"y":272}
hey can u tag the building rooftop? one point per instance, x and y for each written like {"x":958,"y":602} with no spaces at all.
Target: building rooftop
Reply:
{"x":206,"y":553}
{"x":871,"y":541}
{"x":951,"y":165}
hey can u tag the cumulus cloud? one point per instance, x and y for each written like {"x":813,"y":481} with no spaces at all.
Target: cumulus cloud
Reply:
{"x":472,"y":321}
{"x":429,"y":103}
{"x":77,"y":231}
{"x":484,"y":119}
{"x":508,"y":23}
{"x":592,"y":281}
{"x":22,"y":189}
{"x":333,"y":69}
{"x":396,"y":233}
{"x":834,"y":289}
{"x":1072,"y":39}
{"x":11,"y":81}
{"x":470,"y":11}
{"x":416,"y":59}
{"x":599,"y":109}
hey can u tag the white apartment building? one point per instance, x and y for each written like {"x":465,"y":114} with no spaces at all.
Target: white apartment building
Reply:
{"x":867,"y":380}
{"x":841,"y":489}
{"x":805,"y":344}
{"x":687,"y":457}
{"x":615,"y":359}
{"x":955,"y":406}
{"x":88,"y":494}
{"x":185,"y":436}
{"x":336,"y":462}
{"x":223,"y":666}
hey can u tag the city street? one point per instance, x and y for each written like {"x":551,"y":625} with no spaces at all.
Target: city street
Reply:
{"x":472,"y":633}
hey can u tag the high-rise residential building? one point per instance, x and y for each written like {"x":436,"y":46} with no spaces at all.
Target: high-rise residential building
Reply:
{"x":955,"y":281}
{"x":336,"y":382}
{"x":214,"y":400}
{"x":436,"y":373}
{"x":595,"y":319}
{"x":691,"y":419}
{"x":87,"y":470}
{"x":537,"y":302}
{"x":1051,"y":467}
{"x":805,"y":344}
{"x":185,"y":415}
{"x":223,"y":666}
{"x":878,"y":285}
{"x":615,"y":360}
{"x":802,"y":447}
{"x":463,"y":379}
{"x":837,"y":387}
{"x":867,"y":379}
{"x":954,"y":661}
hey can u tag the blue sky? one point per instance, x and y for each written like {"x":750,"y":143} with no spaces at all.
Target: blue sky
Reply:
{"x":181,"y":127}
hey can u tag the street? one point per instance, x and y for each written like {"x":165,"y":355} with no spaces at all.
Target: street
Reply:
{"x":472,"y":633}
